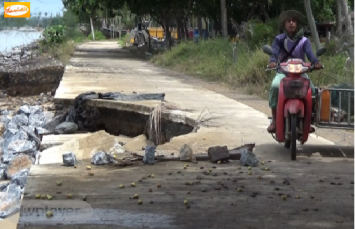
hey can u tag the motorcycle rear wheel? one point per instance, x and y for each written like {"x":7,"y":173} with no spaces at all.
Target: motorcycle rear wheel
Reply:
{"x":293,"y":136}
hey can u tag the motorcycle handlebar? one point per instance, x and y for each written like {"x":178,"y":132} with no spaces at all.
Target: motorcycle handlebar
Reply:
{"x":309,"y":69}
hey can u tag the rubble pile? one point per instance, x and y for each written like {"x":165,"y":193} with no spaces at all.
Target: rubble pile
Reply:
{"x":18,"y":54}
{"x":20,"y":148}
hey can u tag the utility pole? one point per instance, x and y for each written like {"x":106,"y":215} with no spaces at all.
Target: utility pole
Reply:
{"x":224,"y":19}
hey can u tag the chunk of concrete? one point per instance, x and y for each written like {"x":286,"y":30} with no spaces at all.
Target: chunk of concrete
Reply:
{"x":137,"y":143}
{"x":69,"y":159}
{"x":54,"y":122}
{"x":66,"y":128}
{"x":186,"y":153}
{"x":218,"y":153}
{"x":84,"y":148}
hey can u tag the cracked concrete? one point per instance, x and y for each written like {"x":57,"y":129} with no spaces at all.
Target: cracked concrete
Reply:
{"x":231,"y":122}
{"x":104,"y":67}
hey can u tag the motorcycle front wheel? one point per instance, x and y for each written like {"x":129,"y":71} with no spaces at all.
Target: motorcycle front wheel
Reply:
{"x":293,"y":136}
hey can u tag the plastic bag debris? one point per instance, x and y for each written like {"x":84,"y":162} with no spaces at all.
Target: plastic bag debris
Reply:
{"x":20,"y":178}
{"x":149,"y":155}
{"x":248,"y":158}
{"x":69,"y":159}
{"x":117,"y":148}
{"x":71,"y":117}
{"x":9,"y":204}
{"x":101,"y":158}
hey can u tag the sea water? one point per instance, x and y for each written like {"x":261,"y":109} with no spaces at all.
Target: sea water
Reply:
{"x":13,"y":38}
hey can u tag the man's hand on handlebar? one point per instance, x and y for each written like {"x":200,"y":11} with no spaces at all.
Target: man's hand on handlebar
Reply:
{"x":318,"y":65}
{"x":272,"y":65}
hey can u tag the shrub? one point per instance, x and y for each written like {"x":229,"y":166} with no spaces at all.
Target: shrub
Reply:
{"x":259,"y":33}
{"x":98,"y":35}
{"x":213,"y":60}
{"x":54,"y":34}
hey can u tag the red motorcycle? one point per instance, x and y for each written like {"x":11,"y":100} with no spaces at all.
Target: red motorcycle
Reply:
{"x":296,"y":107}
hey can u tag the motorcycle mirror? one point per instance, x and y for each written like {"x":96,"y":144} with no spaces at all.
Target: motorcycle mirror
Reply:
{"x":321,"y":51}
{"x":267,"y":49}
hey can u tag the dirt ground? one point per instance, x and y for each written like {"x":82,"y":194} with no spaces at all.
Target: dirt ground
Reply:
{"x":339,"y":137}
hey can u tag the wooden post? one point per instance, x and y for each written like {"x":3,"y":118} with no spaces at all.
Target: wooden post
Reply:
{"x":327,"y":34}
{"x":120,"y":26}
{"x":235,"y":55}
{"x":92,"y":29}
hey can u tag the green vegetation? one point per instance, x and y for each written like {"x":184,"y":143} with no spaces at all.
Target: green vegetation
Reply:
{"x":98,"y":36}
{"x":60,"y":39}
{"x":212,"y":60}
{"x":124,"y":39}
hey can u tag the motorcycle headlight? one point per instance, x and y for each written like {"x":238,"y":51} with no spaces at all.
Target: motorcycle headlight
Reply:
{"x":294,"y":68}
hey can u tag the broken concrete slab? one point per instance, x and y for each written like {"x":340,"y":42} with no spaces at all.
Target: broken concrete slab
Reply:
{"x":218,"y":153}
{"x":138,"y":143}
{"x":84,"y":148}
{"x":52,"y":140}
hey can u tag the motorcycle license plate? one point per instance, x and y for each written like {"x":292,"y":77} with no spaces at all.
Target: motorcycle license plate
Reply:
{"x":295,"y":83}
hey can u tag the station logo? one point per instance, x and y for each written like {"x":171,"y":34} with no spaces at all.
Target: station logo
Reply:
{"x":17,"y":10}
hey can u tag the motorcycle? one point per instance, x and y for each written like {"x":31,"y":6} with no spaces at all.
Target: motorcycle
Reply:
{"x":296,"y":107}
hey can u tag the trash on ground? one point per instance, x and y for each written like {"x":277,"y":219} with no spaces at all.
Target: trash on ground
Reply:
{"x":69,"y":159}
{"x":101,"y":158}
{"x":248,"y":158}
{"x":149,"y":155}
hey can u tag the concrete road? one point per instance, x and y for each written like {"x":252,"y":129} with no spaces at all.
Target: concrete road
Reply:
{"x":104,"y":67}
{"x":322,"y":176}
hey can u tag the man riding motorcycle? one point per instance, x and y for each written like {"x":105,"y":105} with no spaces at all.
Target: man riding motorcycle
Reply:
{"x":288,"y":45}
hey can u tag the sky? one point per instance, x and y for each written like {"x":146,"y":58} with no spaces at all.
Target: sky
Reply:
{"x":49,"y":6}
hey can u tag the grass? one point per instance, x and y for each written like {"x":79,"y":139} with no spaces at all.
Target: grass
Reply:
{"x":98,"y":36}
{"x":64,"y":50}
{"x":124,"y":40}
{"x":213,"y":60}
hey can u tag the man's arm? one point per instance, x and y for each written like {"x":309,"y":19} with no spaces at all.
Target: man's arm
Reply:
{"x":307,"y":48}
{"x":275,"y":50}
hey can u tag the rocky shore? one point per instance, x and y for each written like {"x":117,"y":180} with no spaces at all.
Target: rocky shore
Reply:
{"x":24,"y":72}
